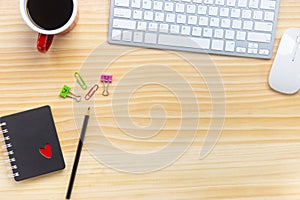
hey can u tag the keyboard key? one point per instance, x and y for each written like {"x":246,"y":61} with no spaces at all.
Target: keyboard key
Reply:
{"x":142,"y":26}
{"x":253,"y":3}
{"x":248,"y":25}
{"x":269,"y":16}
{"x":241,"y":35}
{"x":252,"y":51}
{"x":190,"y":42}
{"x":208,"y":1}
{"x":219,"y":33}
{"x":259,"y":37}
{"x":122,"y":3}
{"x":202,"y":10}
{"x":225,"y":23}
{"x":203,"y":21}
{"x":224,"y":12}
{"x":253,"y":45}
{"x":192,"y":20}
{"x":236,"y":24}
{"x":148,"y":15}
{"x":231,"y":3}
{"x":242,"y":3}
{"x":137,"y":14}
{"x":264,"y":52}
{"x":181,"y":19}
{"x":116,"y":34}
{"x":127,"y":36}
{"x":258,"y":15}
{"x":230,"y":46}
{"x":159,"y":17}
{"x":150,"y":38}
{"x":235,"y":13}
{"x":147,"y":4}
{"x":164,"y":28}
{"x":217,"y":45}
{"x":136,"y":3}
{"x":214,"y":22}
{"x":124,"y":24}
{"x":170,"y":18}
{"x":191,"y":9}
{"x":174,"y":29}
{"x":268,"y":4}
{"x":263,"y":26}
{"x":213,"y":11}
{"x":196,"y":31}
{"x":122,"y":13}
{"x":179,"y":8}
{"x":158,"y":5}
{"x":246,"y":14}
{"x":169,"y":6}
{"x":241,"y":50}
{"x":185,"y":30}
{"x":153,"y":27}
{"x":138,"y":37}
{"x":207,"y":32}
{"x":220,"y":2}
{"x":229,"y":34}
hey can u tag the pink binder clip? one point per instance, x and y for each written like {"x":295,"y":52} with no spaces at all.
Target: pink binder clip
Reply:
{"x":106,"y":79}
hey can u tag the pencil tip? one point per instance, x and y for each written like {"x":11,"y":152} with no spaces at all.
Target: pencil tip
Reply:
{"x":89,"y":108}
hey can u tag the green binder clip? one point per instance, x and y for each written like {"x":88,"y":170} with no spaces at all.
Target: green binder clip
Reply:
{"x":65,"y":92}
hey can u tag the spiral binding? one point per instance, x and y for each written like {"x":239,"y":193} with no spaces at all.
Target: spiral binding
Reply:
{"x":12,"y":167}
{"x":4,"y":131}
{"x":14,"y":175}
{"x":5,"y":139}
{"x":9,"y":152}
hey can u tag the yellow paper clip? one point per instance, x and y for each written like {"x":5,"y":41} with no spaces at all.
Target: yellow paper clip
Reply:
{"x":91,"y":93}
{"x":80,"y":81}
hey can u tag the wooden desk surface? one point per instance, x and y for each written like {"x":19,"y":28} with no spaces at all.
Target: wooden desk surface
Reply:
{"x":256,"y":157}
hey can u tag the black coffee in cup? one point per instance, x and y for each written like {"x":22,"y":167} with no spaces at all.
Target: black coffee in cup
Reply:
{"x":50,"y":14}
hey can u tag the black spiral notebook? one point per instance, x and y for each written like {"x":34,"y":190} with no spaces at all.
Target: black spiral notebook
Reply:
{"x":32,"y":143}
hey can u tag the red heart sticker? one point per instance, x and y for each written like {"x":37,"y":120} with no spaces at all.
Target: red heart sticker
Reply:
{"x":46,"y":152}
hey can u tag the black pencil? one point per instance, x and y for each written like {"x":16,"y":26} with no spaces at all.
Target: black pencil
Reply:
{"x":78,"y":153}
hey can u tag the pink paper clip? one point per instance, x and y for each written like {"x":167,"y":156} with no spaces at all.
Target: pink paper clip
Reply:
{"x":92,"y":91}
{"x":106,"y":79}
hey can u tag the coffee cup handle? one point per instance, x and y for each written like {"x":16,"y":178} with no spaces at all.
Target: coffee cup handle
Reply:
{"x":44,"y":42}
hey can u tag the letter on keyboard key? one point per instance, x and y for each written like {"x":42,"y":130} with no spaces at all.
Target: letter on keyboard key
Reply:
{"x":259,"y":37}
{"x":124,"y":3}
{"x":124,"y":24}
{"x":179,"y":41}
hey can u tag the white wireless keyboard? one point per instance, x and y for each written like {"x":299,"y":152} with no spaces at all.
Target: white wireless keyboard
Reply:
{"x":228,"y":27}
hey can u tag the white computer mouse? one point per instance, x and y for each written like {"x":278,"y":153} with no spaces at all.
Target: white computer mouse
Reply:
{"x":285,"y":73}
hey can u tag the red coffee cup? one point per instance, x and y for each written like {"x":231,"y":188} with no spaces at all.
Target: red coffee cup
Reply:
{"x":49,"y":18}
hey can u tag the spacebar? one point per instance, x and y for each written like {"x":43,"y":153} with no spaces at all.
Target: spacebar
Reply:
{"x":182,"y":41}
